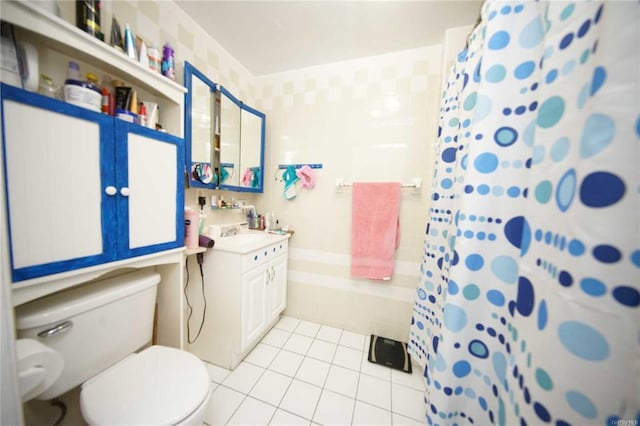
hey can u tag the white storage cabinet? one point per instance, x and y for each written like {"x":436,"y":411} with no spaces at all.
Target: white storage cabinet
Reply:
{"x":245,"y":293}
{"x":84,"y":188}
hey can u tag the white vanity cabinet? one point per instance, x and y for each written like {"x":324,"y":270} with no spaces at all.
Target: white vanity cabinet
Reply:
{"x":245,"y":289}
{"x":264,"y":297}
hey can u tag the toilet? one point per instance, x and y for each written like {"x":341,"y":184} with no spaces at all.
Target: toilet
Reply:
{"x":89,"y":336}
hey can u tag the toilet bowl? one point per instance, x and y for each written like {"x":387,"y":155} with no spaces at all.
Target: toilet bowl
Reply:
{"x":158,"y":386}
{"x":90,"y":335}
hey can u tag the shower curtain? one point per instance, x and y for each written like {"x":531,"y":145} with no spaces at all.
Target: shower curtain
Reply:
{"x":527,"y":309}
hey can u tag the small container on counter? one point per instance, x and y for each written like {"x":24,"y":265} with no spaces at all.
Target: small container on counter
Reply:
{"x":125,"y":115}
{"x":84,"y":94}
{"x":47,"y":86}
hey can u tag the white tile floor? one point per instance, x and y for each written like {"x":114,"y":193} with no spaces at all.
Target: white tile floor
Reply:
{"x":303,"y":373}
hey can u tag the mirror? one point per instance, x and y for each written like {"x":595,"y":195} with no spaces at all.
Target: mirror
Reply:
{"x":252,"y":130}
{"x":224,"y":138}
{"x":200,"y":139}
{"x":230,"y":139}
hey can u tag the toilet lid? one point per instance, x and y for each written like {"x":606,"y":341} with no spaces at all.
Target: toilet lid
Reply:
{"x":158,"y":386}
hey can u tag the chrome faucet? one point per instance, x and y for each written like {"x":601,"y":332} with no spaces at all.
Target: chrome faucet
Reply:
{"x":231,"y":231}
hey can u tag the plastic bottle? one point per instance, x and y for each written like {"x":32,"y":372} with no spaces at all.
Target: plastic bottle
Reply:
{"x":73,"y":71}
{"x":168,"y":62}
{"x":142,"y":115}
{"x":107,"y":96}
{"x":191,"y":228}
{"x":91,"y":78}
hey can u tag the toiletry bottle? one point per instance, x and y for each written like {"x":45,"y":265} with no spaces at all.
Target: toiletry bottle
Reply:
{"x":130,"y":43}
{"x":73,"y":71}
{"x":142,"y":115}
{"x":92,"y":79}
{"x":191,"y":228}
{"x":154,"y":58}
{"x":168,"y":61}
{"x":88,"y":17}
{"x":143,"y":57}
{"x":108,"y":98}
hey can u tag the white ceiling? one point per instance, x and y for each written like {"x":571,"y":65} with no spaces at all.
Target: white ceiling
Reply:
{"x":274,"y":36}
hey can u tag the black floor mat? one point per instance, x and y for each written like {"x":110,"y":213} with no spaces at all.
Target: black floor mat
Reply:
{"x":389,"y":352}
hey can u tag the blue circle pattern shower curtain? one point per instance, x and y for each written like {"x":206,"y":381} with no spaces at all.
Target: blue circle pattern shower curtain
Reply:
{"x":527,"y":309}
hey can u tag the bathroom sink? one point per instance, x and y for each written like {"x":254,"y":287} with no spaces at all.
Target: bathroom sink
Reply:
{"x":247,"y":241}
{"x":248,"y":238}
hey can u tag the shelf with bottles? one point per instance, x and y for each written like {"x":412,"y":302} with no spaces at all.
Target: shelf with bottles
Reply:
{"x":59,"y":42}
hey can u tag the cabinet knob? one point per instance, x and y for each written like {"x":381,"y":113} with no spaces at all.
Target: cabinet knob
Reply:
{"x":110,"y":190}
{"x":124,"y":191}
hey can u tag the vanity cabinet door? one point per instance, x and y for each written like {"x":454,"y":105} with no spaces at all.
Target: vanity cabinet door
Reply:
{"x":277,"y":287}
{"x":61,"y":202}
{"x":150,"y":190}
{"x":254,"y":297}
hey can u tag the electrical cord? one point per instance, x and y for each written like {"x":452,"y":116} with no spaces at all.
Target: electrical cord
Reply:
{"x":63,"y":410}
{"x":200,"y":258}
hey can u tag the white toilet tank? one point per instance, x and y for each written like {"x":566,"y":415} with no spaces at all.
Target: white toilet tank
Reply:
{"x":92,"y":326}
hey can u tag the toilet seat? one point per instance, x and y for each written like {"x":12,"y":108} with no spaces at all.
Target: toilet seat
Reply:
{"x":158,"y":386}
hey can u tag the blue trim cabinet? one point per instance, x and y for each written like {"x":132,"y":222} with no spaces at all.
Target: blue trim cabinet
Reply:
{"x":83,"y":188}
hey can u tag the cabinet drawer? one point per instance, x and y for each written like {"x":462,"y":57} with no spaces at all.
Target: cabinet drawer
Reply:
{"x":263,"y":255}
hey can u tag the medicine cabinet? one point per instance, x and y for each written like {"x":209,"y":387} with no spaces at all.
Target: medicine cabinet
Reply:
{"x":202,"y":129}
{"x":224,"y":137}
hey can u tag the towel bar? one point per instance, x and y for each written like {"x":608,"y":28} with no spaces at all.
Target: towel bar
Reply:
{"x":416,"y":183}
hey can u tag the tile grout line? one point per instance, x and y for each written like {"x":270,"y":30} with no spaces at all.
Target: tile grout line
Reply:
{"x":326,"y":378}
{"x":294,"y":374}
{"x":246,"y":395}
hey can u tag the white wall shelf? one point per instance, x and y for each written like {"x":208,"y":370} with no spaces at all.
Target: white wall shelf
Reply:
{"x":57,"y":34}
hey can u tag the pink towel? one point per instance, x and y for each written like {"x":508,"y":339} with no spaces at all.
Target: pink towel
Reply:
{"x":375,"y":231}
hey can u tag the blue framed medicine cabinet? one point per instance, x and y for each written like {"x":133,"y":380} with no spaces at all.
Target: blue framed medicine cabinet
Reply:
{"x":83,"y":188}
{"x":224,"y":138}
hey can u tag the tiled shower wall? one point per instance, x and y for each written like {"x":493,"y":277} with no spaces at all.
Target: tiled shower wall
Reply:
{"x":365,"y":120}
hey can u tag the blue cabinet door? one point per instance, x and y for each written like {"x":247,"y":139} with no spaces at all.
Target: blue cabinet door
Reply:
{"x":150,"y":185}
{"x":60,"y":200}
{"x":83,"y":188}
